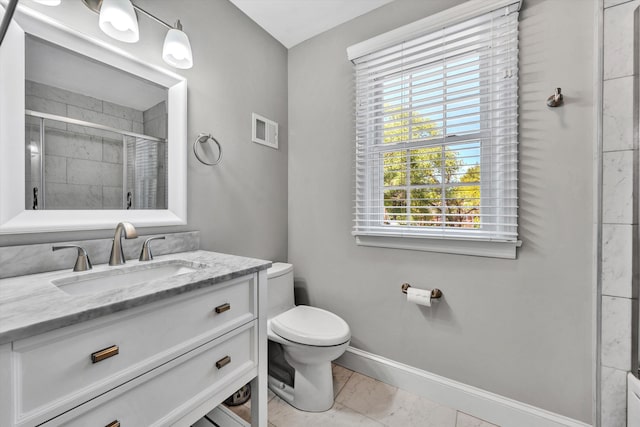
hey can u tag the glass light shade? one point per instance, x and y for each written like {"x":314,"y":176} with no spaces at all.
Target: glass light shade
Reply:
{"x":48,"y":2}
{"x":118,"y":20}
{"x":177,"y":49}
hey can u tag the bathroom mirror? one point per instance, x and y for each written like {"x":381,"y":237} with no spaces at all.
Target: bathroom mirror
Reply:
{"x":89,"y":136}
{"x":95,"y":136}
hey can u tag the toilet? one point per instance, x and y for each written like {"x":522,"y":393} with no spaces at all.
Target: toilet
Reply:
{"x":303,"y":341}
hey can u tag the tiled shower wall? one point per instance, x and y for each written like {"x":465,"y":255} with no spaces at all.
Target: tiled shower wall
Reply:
{"x":83,"y":166}
{"x":619,"y":267}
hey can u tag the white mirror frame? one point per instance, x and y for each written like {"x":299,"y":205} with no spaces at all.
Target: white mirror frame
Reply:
{"x":14,"y":219}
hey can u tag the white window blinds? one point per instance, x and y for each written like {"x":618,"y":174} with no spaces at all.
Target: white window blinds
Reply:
{"x":437,"y":132}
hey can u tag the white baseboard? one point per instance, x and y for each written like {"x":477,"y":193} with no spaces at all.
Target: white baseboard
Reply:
{"x":479,"y":403}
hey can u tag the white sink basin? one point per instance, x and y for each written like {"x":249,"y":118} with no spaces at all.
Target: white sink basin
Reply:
{"x":123,"y":277}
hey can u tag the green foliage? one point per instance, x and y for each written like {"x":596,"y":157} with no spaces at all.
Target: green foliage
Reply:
{"x":418,"y":190}
{"x":402,"y":127}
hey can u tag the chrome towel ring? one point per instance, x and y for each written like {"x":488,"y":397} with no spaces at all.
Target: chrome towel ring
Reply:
{"x":202,"y":138}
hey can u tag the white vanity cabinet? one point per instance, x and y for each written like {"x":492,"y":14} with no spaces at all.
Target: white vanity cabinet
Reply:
{"x":164,"y":363}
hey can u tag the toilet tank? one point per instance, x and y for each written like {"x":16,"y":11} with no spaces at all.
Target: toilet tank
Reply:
{"x":279,"y":288}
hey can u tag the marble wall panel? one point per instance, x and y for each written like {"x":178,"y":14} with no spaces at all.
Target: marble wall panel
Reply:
{"x":611,"y":3}
{"x":67,"y":144}
{"x":55,"y":169}
{"x":99,"y":118}
{"x":618,"y":187}
{"x":112,"y":151}
{"x":155,"y":120}
{"x":614,"y":398}
{"x":43,"y":105}
{"x":84,"y":172}
{"x":111,"y":174}
{"x":18,"y":260}
{"x":619,"y":128}
{"x":112,"y":197}
{"x":122,"y":112}
{"x":619,"y":51}
{"x":70,"y":196}
{"x":64,"y":96}
{"x":619,"y":245}
{"x":138,"y":127}
{"x":617,"y":260}
{"x":158,"y":110}
{"x":616,"y":332}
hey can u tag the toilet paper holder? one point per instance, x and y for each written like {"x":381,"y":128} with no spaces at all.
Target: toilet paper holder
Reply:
{"x":435,"y":293}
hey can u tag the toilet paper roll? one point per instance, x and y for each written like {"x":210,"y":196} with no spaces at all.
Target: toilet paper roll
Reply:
{"x":419,"y":296}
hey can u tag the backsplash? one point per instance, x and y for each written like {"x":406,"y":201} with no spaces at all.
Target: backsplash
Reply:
{"x":39,"y":258}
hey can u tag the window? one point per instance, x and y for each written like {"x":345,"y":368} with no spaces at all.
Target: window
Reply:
{"x":436,"y":132}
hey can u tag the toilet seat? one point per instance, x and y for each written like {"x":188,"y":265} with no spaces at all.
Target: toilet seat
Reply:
{"x":311,"y":326}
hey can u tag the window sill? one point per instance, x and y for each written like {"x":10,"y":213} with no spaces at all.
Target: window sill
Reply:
{"x":483,"y":248}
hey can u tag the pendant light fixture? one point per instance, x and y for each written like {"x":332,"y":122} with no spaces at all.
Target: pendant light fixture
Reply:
{"x":118,"y":20}
{"x":177,"y":49}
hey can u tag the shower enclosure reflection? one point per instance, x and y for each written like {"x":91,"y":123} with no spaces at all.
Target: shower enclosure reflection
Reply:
{"x":71,"y":164}
{"x":91,"y":144}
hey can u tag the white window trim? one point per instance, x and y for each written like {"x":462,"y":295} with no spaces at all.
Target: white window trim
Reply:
{"x":451,"y":245}
{"x":448,"y":245}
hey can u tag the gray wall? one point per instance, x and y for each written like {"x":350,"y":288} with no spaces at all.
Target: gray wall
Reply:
{"x":520,"y":328}
{"x":240,"y":206}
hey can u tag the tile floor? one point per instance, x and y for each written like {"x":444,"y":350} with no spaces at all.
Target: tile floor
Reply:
{"x":363,"y":401}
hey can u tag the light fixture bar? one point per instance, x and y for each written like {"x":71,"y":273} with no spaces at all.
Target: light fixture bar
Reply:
{"x":155,"y":18}
{"x":95,"y":5}
{"x":6,"y":19}
{"x":176,"y":50}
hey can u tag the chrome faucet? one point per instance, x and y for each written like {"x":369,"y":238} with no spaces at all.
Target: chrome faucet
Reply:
{"x":117,"y":254}
{"x":83,"y":263}
{"x":145,"y":253}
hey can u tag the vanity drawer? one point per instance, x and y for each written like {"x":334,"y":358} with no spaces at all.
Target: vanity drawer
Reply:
{"x":183,"y":383}
{"x":55,"y":371}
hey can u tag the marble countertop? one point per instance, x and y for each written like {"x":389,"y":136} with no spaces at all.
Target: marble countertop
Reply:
{"x":32,"y":304}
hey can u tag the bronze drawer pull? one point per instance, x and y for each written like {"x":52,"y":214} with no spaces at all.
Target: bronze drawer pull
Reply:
{"x":222,"y":308}
{"x":115,"y":423}
{"x":223,"y":362}
{"x":105,"y":353}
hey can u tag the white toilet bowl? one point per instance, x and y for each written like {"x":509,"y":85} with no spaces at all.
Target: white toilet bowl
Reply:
{"x":310,"y":338}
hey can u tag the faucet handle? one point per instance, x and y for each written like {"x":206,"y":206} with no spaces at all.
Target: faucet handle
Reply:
{"x":145,"y":253}
{"x":83,"y":263}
